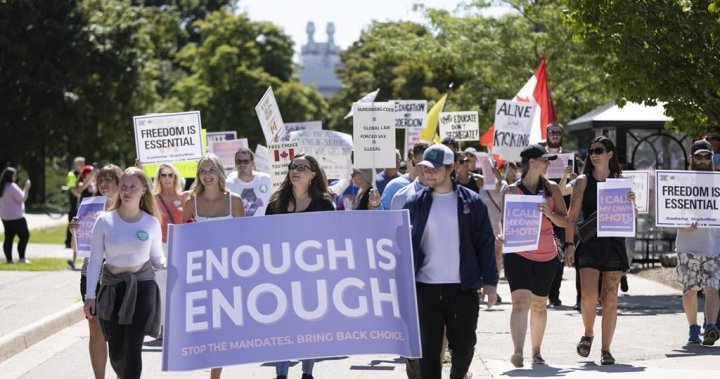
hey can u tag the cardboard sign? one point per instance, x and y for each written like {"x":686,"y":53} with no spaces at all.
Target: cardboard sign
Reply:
{"x":374,"y":135}
{"x":641,"y":188}
{"x":410,"y":113}
{"x":226,"y":150}
{"x":270,"y":119}
{"x":212,"y":137}
{"x":280,"y":155}
{"x":187,"y":169}
{"x":513,"y":121}
{"x":686,"y":197}
{"x":486,"y":166}
{"x":412,"y":136}
{"x":556,"y":167}
{"x":262,"y":163}
{"x":169,"y":137}
{"x":331,"y":149}
{"x":615,"y":212}
{"x":293,"y":291}
{"x":462,"y":126}
{"x":87,"y":213}
{"x":299,"y":126}
{"x":522,"y":220}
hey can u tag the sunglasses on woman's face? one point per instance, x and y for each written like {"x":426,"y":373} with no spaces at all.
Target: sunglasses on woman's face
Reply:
{"x":299,"y":167}
{"x":596,"y":151}
{"x":164,"y":175}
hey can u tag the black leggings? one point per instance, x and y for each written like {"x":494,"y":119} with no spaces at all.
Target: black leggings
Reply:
{"x":125,"y":342}
{"x":15,"y":228}
{"x":447,"y":307}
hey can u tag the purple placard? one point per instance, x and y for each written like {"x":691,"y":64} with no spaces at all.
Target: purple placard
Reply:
{"x":246,"y":290}
{"x":616,"y":214}
{"x":87,"y":213}
{"x":521,"y":223}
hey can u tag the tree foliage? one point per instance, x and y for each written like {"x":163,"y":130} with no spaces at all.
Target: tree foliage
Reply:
{"x":663,"y":50}
{"x":487,"y":58}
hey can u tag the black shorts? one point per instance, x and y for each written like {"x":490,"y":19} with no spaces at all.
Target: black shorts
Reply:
{"x":524,"y":274}
{"x":83,"y":281}
{"x":603,"y":254}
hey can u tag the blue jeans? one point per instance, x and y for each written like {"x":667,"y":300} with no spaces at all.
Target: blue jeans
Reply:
{"x":281,"y":368}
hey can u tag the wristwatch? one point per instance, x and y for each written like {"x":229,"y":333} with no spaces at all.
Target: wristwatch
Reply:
{"x":568,"y":244}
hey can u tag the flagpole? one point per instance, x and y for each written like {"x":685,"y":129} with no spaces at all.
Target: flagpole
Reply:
{"x":447,"y":99}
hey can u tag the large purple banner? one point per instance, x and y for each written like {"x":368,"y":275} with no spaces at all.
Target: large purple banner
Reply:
{"x":284,"y":287}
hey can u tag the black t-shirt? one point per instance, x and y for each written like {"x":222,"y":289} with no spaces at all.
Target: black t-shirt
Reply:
{"x":317,"y":204}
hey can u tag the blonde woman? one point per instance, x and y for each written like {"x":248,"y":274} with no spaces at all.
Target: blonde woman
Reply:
{"x":210,"y":200}
{"x":126,"y":245}
{"x":169,"y":201}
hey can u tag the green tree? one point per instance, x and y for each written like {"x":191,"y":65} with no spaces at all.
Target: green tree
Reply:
{"x":664,"y":50}
{"x":230,"y":70}
{"x":487,"y":58}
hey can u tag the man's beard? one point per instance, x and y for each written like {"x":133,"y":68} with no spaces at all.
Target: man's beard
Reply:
{"x":694,"y":166}
{"x":553,"y":145}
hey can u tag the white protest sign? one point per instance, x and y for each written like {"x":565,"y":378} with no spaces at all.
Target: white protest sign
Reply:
{"x":374,"y":135}
{"x":280,"y":155}
{"x":212,"y":137}
{"x":168,"y":137}
{"x":225,"y":150}
{"x":462,"y":126}
{"x":410,"y":113}
{"x":686,"y":197}
{"x":556,"y":167}
{"x":615,"y":212}
{"x":331,"y":149}
{"x":522,"y":220}
{"x":486,"y":166}
{"x":513,"y":121}
{"x":298,"y":126}
{"x":269,"y":116}
{"x":641,"y":188}
{"x":87,"y":214}
{"x":412,"y":136}
{"x":261,"y":159}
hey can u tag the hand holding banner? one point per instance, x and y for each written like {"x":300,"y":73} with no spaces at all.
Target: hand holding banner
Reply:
{"x":522,"y":220}
{"x":615,"y":212}
{"x":641,"y":188}
{"x":87,"y":214}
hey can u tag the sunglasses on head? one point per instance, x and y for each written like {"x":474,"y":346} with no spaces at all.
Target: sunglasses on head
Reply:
{"x":164,"y":175}
{"x":299,"y":167}
{"x":596,"y":151}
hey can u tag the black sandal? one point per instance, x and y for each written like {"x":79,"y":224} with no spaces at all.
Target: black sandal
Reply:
{"x":606,"y":358}
{"x":583,"y":347}
{"x":537,"y":359}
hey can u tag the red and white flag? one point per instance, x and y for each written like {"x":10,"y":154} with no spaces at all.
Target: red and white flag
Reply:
{"x":535,"y":91}
{"x":284,"y":155}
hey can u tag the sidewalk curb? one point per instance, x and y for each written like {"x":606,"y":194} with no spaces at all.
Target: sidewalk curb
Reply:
{"x":27,"y":336}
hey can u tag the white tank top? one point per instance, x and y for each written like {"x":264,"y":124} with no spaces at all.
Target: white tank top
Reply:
{"x":199,"y":218}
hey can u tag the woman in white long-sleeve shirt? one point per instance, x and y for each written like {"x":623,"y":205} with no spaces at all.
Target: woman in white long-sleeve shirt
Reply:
{"x":128,"y":237}
{"x":12,"y":213}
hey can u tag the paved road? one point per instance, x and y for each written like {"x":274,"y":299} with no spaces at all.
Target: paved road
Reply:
{"x":649,"y":343}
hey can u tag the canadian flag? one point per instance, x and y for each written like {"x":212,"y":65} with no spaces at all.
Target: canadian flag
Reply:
{"x":535,"y":91}
{"x":284,"y":154}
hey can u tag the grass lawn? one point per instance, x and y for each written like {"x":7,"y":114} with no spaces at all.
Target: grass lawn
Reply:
{"x":37,"y":264}
{"x":53,"y":235}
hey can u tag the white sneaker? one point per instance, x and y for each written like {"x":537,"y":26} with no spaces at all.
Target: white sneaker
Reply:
{"x":24,"y":260}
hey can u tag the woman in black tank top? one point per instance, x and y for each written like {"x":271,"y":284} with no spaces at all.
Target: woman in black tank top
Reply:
{"x":603,"y":257}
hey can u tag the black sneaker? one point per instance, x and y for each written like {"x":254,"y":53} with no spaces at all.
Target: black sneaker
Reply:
{"x":499,"y":300}
{"x":711,"y":335}
{"x":306,"y":376}
{"x":624,"y":284}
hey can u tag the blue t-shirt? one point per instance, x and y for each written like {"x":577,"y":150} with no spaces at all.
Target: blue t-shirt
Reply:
{"x":382,"y":180}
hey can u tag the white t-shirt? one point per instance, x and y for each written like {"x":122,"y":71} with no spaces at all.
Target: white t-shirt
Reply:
{"x":441,"y":242}
{"x":702,"y":241}
{"x":123,"y":244}
{"x":255,"y":194}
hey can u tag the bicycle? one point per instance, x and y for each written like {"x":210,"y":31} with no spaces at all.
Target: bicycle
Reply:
{"x":56,"y":204}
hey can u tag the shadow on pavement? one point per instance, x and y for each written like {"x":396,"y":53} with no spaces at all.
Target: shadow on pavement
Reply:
{"x":649,"y":305}
{"x":693,"y":351}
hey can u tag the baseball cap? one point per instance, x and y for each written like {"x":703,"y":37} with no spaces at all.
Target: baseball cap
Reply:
{"x":470,"y":150}
{"x":533,"y":151}
{"x":437,"y":155}
{"x":87,"y":169}
{"x":701,"y":146}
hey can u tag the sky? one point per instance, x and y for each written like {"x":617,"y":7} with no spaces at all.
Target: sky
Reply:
{"x":349,"y":17}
